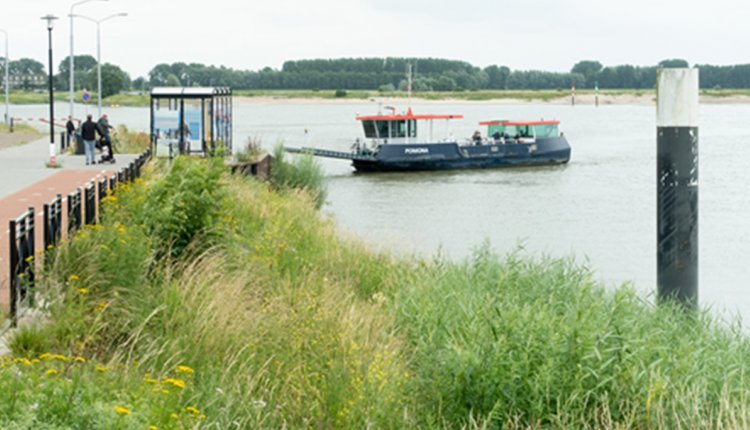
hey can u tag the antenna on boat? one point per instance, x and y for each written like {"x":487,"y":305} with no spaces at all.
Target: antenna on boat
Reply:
{"x":408,"y":83}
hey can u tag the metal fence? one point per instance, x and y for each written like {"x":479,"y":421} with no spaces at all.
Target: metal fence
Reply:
{"x":89,"y":206}
{"x":52,"y":222}
{"x":84,"y":207}
{"x":21,"y":261}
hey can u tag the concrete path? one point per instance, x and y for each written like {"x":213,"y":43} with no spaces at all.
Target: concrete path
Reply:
{"x":25,"y":182}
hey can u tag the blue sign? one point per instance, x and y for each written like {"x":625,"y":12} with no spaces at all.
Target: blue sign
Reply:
{"x":86,"y":97}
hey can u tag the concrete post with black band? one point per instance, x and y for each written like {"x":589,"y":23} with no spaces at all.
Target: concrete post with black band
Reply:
{"x":677,"y":185}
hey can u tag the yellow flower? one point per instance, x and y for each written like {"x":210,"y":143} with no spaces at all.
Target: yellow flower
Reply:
{"x":52,"y":372}
{"x":151,"y":380}
{"x":179,"y":383}
{"x":173,"y":415}
{"x":83,"y":291}
{"x":101,"y":369}
{"x":73,"y":278}
{"x":184,"y":369}
{"x":122,"y":411}
{"x":153,"y":428}
{"x":49,"y":247}
{"x":80,"y":360}
{"x":193,"y":410}
{"x":30,"y":258}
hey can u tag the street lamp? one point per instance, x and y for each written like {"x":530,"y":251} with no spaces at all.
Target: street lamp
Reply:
{"x":7,"y":117}
{"x":72,"y":60}
{"x":50,"y":24}
{"x":98,"y":54}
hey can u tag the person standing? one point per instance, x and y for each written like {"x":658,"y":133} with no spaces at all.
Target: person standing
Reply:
{"x":70,"y":128}
{"x":88,"y":134}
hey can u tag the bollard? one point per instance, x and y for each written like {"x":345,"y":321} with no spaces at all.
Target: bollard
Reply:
{"x":677,"y":186}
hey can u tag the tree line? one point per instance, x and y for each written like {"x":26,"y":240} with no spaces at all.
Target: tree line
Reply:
{"x":383,"y":74}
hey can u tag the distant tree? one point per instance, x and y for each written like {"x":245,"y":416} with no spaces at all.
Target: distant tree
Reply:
{"x":589,"y":69}
{"x":25,"y":66}
{"x":172,"y":80}
{"x":497,"y":77}
{"x":139,"y":84}
{"x":114,"y":80}
{"x":673,"y":63}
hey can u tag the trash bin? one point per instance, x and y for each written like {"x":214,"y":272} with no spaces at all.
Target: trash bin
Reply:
{"x":79,"y":145}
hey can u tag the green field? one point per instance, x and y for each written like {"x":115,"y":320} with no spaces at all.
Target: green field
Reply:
{"x":210,"y":301}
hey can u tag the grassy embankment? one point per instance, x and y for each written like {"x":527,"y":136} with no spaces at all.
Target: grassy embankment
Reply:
{"x":139,"y":100}
{"x":210,"y":301}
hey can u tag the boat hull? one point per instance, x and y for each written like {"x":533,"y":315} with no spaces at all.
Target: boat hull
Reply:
{"x":447,"y":156}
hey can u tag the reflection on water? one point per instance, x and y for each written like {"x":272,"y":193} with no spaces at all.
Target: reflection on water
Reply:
{"x":600,"y":208}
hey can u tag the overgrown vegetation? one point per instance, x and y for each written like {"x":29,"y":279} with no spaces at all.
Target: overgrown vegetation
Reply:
{"x":303,"y":173}
{"x":274,"y":321}
{"x":130,"y":142}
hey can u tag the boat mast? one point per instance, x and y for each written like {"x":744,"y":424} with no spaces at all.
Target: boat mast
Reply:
{"x":408,"y":95}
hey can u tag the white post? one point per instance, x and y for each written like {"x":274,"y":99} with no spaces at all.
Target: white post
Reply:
{"x":7,"y":81}
{"x":98,"y":70}
{"x":71,"y":90}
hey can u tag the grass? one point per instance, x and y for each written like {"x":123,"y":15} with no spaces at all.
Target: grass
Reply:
{"x":269,"y":318}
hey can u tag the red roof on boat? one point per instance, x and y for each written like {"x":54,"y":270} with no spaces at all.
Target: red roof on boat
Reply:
{"x":407,"y":116}
{"x":516,"y":123}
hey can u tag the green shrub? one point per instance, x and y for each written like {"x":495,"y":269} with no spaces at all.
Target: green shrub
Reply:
{"x":304,"y":173}
{"x":183,"y":204}
{"x":340,"y":93}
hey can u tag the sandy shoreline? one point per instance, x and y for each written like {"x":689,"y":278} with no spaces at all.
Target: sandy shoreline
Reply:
{"x":582,"y":99}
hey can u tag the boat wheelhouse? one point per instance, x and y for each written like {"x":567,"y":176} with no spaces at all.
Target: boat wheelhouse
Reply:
{"x":525,"y":131}
{"x":399,"y":128}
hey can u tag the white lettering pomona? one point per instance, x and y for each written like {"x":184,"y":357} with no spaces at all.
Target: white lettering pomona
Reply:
{"x":416,"y":151}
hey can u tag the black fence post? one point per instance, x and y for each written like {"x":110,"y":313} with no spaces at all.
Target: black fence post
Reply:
{"x":89,"y":196}
{"x":52,"y":222}
{"x":112,"y":183}
{"x":74,"y":211}
{"x":21,"y":262}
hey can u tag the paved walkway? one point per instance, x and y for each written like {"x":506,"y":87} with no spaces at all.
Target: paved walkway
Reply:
{"x":25,"y":182}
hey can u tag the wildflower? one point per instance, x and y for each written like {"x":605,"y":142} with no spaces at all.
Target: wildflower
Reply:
{"x":30,"y":258}
{"x":153,"y":428}
{"x":193,"y":410}
{"x":173,"y":415}
{"x":50,"y":247}
{"x":122,"y":411}
{"x":179,"y":383}
{"x":151,"y":381}
{"x":184,"y":369}
{"x":80,"y":360}
{"x":73,"y":278}
{"x":100,"y":369}
{"x":83,"y":291}
{"x":52,"y":372}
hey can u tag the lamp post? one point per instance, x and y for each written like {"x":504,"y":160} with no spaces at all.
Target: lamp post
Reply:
{"x":99,"y":54}
{"x":50,"y":24}
{"x":72,"y":58}
{"x":7,"y":117}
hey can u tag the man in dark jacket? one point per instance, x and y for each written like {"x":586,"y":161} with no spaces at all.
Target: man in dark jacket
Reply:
{"x":70,"y":128}
{"x":88,"y":134}
{"x":103,"y":127}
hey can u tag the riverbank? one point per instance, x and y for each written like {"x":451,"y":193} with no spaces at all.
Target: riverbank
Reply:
{"x":205,"y":300}
{"x":510,"y":97}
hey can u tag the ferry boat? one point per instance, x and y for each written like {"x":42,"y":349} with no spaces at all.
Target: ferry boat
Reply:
{"x":392,"y":144}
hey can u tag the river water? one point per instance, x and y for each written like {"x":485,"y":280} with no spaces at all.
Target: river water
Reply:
{"x":600,"y":208}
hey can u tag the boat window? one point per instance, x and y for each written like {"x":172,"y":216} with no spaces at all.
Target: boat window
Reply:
{"x":546,"y":130}
{"x":406,"y":128}
{"x":375,"y":129}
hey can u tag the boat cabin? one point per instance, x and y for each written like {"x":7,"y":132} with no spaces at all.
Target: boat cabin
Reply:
{"x":527,"y":130}
{"x":398,"y":128}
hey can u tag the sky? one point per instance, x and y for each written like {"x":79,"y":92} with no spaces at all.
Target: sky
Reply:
{"x":547,"y":35}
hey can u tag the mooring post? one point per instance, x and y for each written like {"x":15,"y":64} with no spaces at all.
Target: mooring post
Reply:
{"x":573,"y":93}
{"x":677,"y":185}
{"x":596,"y":93}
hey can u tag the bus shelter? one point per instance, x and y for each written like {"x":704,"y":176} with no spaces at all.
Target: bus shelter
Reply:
{"x":190,"y":120}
